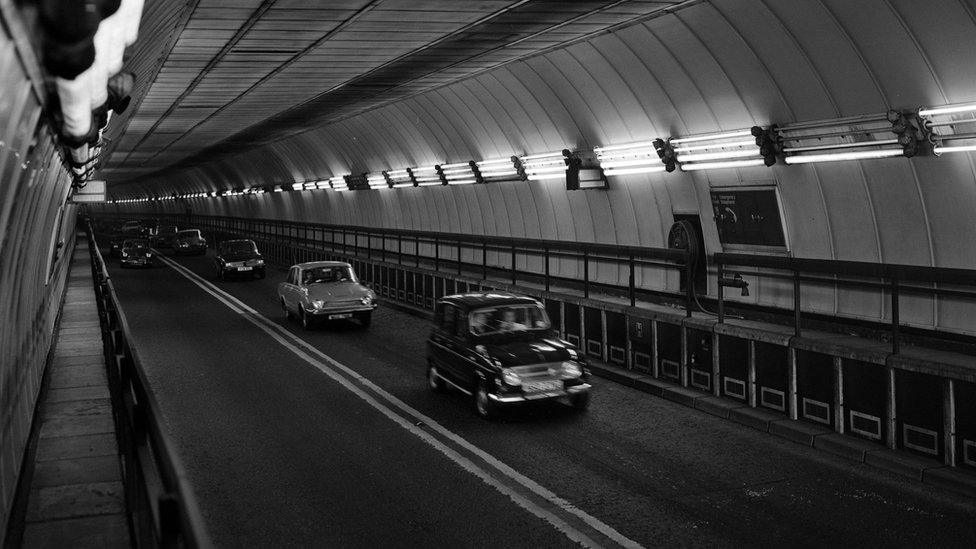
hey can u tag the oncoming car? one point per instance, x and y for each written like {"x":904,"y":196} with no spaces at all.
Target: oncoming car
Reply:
{"x":238,"y":257}
{"x":190,"y":242}
{"x":325,"y":290}
{"x":501,"y":349}
{"x":136,"y":253}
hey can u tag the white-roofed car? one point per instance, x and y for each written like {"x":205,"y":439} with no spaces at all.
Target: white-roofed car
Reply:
{"x":189,"y":241}
{"x":325,"y":290}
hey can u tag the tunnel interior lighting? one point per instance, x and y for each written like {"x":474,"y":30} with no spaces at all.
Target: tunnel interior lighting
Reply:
{"x":460,"y":173}
{"x":631,"y":158}
{"x":426,"y":176}
{"x":338,"y":183}
{"x":377,"y":181}
{"x":882,"y":135}
{"x":399,"y":178}
{"x":496,"y":169}
{"x":538,"y":167}
{"x":849,"y":155}
{"x":735,"y":149}
{"x":950,"y":129}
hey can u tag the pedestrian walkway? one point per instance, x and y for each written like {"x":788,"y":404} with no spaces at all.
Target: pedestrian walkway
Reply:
{"x":76,"y":496}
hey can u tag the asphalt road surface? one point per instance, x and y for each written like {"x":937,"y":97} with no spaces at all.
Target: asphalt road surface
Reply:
{"x":332,"y":438}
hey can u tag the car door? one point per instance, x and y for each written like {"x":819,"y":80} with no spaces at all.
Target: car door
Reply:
{"x":289,"y":290}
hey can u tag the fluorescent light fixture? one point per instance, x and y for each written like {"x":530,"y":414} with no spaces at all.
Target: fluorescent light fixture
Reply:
{"x":629,"y":163}
{"x":551,"y":155}
{"x":338,"y":183}
{"x":841,"y":146}
{"x":948,"y":110}
{"x":628,"y":171}
{"x":721,"y":165}
{"x":699,"y":157}
{"x":954,"y":148}
{"x":376,"y":181}
{"x":713,"y":137}
{"x":601,"y":151}
{"x":468,"y":181}
{"x":836,"y":157}
{"x":690,"y":148}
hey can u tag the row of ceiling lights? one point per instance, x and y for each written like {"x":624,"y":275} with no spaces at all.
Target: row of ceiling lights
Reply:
{"x":943,"y":130}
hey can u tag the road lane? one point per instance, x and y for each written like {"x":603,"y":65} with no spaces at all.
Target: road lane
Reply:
{"x":658,"y":472}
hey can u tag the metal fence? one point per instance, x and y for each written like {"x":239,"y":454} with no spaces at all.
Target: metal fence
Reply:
{"x":892,"y":280}
{"x":160,"y":502}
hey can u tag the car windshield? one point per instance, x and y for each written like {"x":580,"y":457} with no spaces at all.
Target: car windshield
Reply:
{"x":134,"y":244}
{"x":316,"y":275}
{"x":507,"y":319}
{"x":240,"y":247}
{"x":189,"y":234}
{"x":167,"y":229}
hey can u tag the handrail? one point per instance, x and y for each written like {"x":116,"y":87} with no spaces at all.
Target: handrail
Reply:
{"x":346,"y":239}
{"x":165,"y":515}
{"x":888,"y":278}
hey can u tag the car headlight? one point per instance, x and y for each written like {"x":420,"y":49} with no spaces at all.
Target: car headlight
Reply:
{"x":125,"y":254}
{"x":572,"y":369}
{"x":255,"y":262}
{"x":148,"y":256}
{"x":367,"y":300}
{"x":510,"y":377}
{"x":318,"y":304}
{"x":183,"y":244}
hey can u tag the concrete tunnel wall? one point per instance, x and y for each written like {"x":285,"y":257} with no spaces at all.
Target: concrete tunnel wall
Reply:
{"x":712,"y":67}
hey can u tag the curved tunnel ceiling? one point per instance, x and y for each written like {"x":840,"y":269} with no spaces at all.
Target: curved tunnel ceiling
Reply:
{"x":239,"y":74}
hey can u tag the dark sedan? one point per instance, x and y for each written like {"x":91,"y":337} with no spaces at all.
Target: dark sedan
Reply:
{"x":501,"y":349}
{"x":238,"y":257}
{"x":136,"y":253}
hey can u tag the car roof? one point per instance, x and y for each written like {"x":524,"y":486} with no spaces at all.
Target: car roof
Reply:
{"x":477,"y":300}
{"x":313,"y":264}
{"x":237,"y":240}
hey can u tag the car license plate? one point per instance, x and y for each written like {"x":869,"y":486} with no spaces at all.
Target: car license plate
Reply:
{"x":340,"y":315}
{"x":243,"y":268}
{"x":542,"y":386}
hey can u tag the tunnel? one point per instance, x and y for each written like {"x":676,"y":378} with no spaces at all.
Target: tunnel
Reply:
{"x":743,"y":226}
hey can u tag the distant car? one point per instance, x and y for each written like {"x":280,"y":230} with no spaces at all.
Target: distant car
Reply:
{"x":238,"y":257}
{"x":165,"y":236}
{"x":131,"y":228}
{"x":325,"y":290}
{"x":115,"y":245}
{"x":189,"y":241}
{"x":136,"y":253}
{"x":501,"y":349}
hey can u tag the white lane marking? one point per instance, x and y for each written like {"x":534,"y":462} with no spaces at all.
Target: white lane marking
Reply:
{"x":307,"y":352}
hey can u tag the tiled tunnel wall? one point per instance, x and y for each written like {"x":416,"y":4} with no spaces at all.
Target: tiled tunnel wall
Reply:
{"x":34,"y":219}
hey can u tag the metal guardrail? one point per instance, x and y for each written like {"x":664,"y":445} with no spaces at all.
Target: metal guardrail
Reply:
{"x":160,"y":503}
{"x":417,"y":247}
{"x":892,"y":279}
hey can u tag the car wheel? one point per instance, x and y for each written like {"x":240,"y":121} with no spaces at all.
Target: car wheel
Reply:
{"x":434,"y":380}
{"x":483,"y":405}
{"x":365,"y":319}
{"x":284,"y":308}
{"x":580,"y":401}
{"x":304,"y":318}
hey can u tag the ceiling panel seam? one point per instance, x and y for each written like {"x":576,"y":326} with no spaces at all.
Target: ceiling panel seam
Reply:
{"x":241,"y":31}
{"x":289,"y":62}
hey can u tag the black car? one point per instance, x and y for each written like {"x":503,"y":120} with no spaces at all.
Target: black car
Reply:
{"x":189,"y":241}
{"x":238,"y":257}
{"x":136,"y":253}
{"x":501,"y":349}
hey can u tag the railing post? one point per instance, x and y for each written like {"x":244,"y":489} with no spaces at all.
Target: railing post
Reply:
{"x":416,"y":249}
{"x":796,"y":302}
{"x":631,"y":292}
{"x":895,"y":320}
{"x":459,"y":256}
{"x":545,"y":255}
{"x":721,"y":293}
{"x":513,"y":265}
{"x":586,"y":274}
{"x":689,"y":286}
{"x":437,"y":253}
{"x":484,"y":260}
